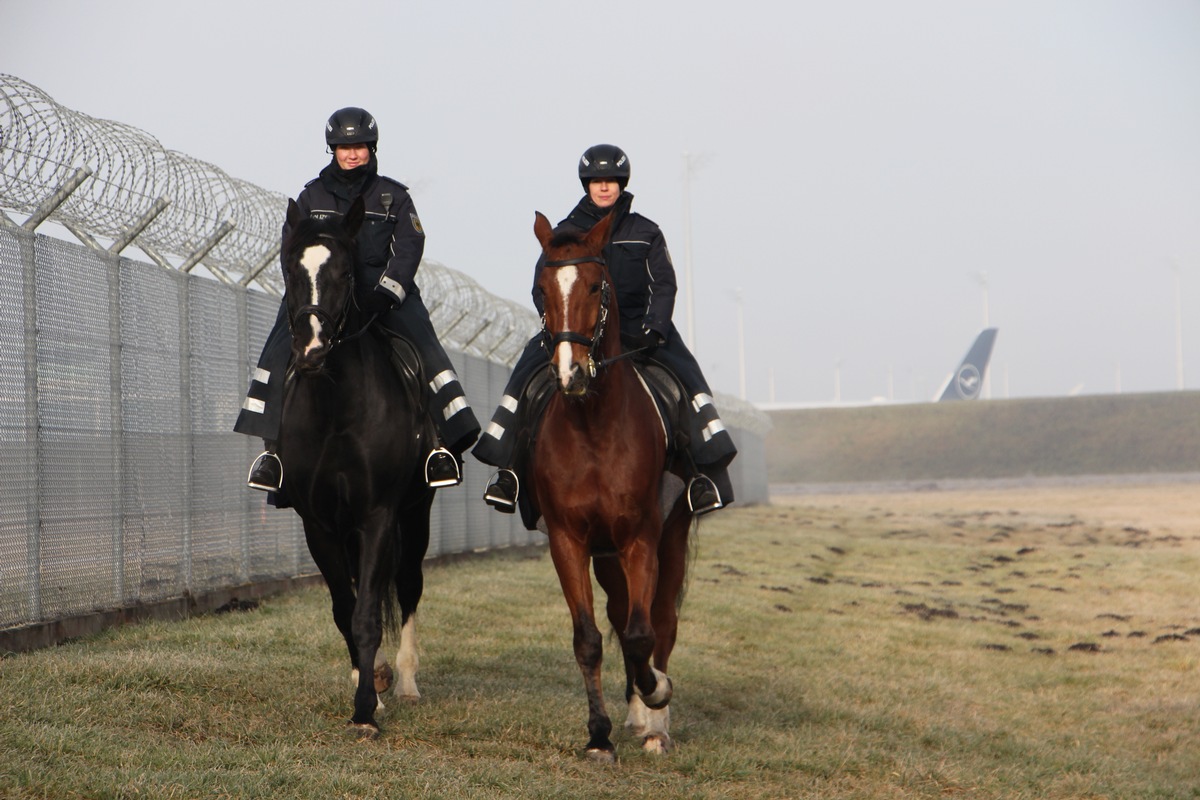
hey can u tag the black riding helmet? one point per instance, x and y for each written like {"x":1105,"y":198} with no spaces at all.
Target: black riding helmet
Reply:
{"x":351,"y":125}
{"x":604,"y":161}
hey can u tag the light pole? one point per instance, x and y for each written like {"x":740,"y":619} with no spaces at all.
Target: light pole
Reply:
{"x":741,"y":328}
{"x":983,"y":281}
{"x":986,"y":389}
{"x":1178,"y":326}
{"x":690,"y":161}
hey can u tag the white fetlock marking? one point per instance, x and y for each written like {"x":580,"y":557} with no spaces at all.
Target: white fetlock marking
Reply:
{"x":407,"y":661}
{"x":658,"y":727}
{"x":636,"y":720}
{"x":651,"y":725}
{"x":662,"y":689}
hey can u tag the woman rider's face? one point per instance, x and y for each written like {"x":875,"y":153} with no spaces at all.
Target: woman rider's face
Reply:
{"x":350,"y":156}
{"x":603,"y":191}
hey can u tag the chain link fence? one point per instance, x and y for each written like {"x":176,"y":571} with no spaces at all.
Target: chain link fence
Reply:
{"x":122,"y":483}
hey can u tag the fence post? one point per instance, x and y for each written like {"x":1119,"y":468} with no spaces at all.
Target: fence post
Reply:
{"x":33,"y":511}
{"x":113,"y":263}
{"x":186,"y":435}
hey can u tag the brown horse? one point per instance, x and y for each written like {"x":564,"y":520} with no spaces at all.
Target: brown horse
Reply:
{"x":598,"y":477}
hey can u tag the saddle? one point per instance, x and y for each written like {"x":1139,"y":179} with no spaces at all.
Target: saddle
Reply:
{"x":670,"y":398}
{"x":405,"y":361}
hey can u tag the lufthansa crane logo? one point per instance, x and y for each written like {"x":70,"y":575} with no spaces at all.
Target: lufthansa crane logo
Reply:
{"x":968,"y":382}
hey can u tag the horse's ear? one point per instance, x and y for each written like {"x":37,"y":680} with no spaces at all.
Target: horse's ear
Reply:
{"x":597,"y":237}
{"x":541,"y":228}
{"x":354,"y":217}
{"x":293,"y":213}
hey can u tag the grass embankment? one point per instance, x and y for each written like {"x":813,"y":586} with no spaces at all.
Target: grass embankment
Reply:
{"x":929,"y":645}
{"x":1099,"y":435}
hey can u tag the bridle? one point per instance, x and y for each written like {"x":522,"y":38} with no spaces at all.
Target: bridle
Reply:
{"x":328,"y":320}
{"x":592,"y":343}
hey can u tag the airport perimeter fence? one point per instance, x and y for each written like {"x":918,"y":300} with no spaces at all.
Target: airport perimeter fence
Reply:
{"x":122,"y":485}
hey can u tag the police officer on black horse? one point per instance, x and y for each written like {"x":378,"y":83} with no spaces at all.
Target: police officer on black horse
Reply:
{"x":644,"y":280}
{"x":390,"y":244}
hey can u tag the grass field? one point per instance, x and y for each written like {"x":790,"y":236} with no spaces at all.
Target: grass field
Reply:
{"x":1039,"y":642}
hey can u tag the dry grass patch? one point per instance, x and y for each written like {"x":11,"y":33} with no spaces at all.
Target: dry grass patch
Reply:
{"x":1030,"y":644}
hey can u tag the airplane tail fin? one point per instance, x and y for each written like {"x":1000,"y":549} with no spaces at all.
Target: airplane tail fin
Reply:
{"x":966,"y":382}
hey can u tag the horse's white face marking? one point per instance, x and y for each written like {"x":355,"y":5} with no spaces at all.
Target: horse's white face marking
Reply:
{"x":566,"y":279}
{"x":315,"y":257}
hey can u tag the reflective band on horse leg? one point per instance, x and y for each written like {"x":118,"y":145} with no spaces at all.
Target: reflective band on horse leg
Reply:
{"x":713,"y":428}
{"x":701,"y":400}
{"x":262,"y":375}
{"x":256,"y":406}
{"x":509,"y":402}
{"x":441,"y":379}
{"x":454,"y":406}
{"x":495,"y":430}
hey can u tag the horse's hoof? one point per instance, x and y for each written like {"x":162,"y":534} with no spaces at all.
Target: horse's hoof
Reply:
{"x":383,"y":678}
{"x":408,"y":699}
{"x":363,"y":731}
{"x":598,"y":755}
{"x":657,"y":744}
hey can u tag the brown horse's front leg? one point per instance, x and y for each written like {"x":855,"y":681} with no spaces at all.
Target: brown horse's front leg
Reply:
{"x":640,"y":562}
{"x":571,"y":563}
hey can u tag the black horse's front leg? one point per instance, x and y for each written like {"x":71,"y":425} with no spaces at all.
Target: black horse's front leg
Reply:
{"x":374,"y":577}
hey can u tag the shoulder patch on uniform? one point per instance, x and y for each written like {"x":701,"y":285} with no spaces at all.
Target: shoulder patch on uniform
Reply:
{"x":416,"y":222}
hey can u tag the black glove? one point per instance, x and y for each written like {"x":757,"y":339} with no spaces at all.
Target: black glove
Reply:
{"x":379,"y":301}
{"x":646,"y":341}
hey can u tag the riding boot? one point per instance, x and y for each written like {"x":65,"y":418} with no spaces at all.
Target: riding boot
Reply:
{"x":441,"y":469}
{"x":266,"y":473}
{"x":703,"y":496}
{"x":501,"y":493}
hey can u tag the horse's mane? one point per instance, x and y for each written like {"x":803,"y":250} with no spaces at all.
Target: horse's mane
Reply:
{"x":565,"y":236}
{"x":308,"y":229}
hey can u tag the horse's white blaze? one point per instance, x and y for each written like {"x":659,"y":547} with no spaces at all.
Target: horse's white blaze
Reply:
{"x":566,"y":279}
{"x":407,"y":661}
{"x":313,"y":259}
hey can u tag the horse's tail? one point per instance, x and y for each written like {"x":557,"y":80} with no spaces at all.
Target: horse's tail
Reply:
{"x":390,"y":604}
{"x":693,"y":545}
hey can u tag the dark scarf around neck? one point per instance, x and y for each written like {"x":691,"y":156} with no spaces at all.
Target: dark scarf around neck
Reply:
{"x":586,"y":214}
{"x":348,"y":183}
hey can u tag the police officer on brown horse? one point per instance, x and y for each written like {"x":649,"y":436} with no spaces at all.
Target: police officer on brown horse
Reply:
{"x":644,"y":280}
{"x":390,"y":244}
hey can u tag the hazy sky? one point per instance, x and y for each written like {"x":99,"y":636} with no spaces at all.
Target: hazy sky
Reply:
{"x":862,"y":170}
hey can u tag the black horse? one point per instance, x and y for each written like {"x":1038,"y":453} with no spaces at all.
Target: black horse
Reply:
{"x":351,"y":445}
